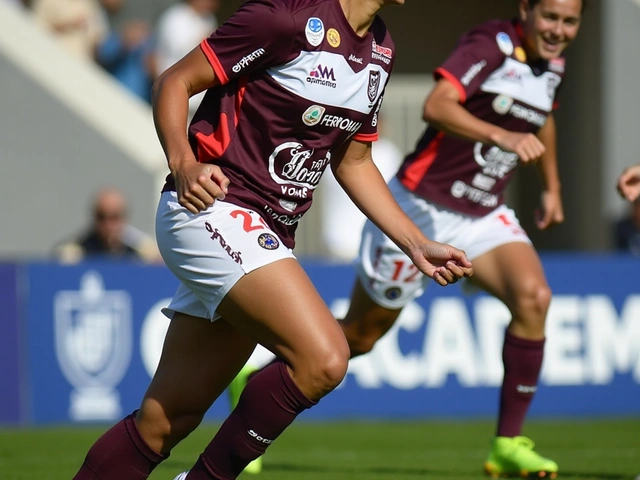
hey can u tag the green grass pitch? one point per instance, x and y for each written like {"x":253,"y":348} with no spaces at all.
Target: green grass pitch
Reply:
{"x":598,"y":450}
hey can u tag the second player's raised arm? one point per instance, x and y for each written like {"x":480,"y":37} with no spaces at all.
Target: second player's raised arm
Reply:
{"x":354,"y":169}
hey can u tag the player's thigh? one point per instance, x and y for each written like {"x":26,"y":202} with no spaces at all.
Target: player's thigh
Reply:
{"x":279,"y":307}
{"x":510,"y":272}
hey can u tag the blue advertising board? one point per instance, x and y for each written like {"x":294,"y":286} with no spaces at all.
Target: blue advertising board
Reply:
{"x":10,"y":385}
{"x":95,"y":331}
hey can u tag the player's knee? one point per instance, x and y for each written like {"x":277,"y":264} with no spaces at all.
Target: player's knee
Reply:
{"x":329,"y":370}
{"x":533,"y":303}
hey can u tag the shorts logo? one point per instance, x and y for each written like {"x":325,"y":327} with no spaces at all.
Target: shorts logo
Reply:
{"x":504,"y":43}
{"x":268,"y":241}
{"x":333,"y":37}
{"x":313,"y":115}
{"x":215,"y":235}
{"x":502,"y":104}
{"x":374,"y":85}
{"x":314,"y":31}
{"x":393,"y":293}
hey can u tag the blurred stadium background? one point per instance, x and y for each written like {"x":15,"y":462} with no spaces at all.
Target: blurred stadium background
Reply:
{"x":67,"y":129}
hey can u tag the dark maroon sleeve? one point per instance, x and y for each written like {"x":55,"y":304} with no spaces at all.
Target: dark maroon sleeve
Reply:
{"x":471,"y":62}
{"x":258,"y":36}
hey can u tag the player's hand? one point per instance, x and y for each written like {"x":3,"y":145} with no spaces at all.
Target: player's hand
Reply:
{"x":527,"y":146}
{"x":629,"y":183}
{"x":199,"y":185}
{"x":551,"y":212}
{"x":443,"y":263}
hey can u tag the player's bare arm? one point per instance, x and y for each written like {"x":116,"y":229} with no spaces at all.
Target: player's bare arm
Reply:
{"x":198,"y":185}
{"x":551,"y":211}
{"x":629,"y":183}
{"x":443,"y":110}
{"x":354,"y":169}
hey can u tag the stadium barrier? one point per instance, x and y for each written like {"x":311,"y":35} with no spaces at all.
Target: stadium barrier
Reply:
{"x":80,"y":343}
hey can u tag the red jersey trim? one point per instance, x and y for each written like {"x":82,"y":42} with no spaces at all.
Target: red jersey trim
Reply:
{"x":366,"y":137}
{"x":214,"y":145}
{"x":215,"y":63}
{"x":418,"y":169}
{"x":441,"y":72}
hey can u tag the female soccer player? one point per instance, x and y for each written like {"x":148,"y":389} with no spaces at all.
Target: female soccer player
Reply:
{"x":491,"y":109}
{"x":292,"y":86}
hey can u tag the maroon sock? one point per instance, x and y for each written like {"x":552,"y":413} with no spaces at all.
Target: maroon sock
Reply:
{"x":119,"y":454}
{"x":268,"y":405}
{"x":522,"y":361}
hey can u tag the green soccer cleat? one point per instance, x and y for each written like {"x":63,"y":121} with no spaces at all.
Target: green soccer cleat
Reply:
{"x":235,"y":390}
{"x":514,"y":457}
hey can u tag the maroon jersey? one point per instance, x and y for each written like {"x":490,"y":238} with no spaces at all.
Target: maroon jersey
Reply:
{"x":297,"y":82}
{"x":497,"y":84}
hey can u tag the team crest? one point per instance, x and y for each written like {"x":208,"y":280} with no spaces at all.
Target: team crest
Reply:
{"x":374,"y":85}
{"x":333,"y":37}
{"x":314,"y":31}
{"x":268,"y":241}
{"x":393,"y":293}
{"x":313,"y":115}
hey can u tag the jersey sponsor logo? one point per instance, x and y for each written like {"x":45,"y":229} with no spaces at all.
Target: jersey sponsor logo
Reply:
{"x":552,"y":85}
{"x":287,"y":220}
{"x":215,"y":235}
{"x":557,"y":65}
{"x":314,"y":31}
{"x":374,"y":85}
{"x":512,"y":76}
{"x":323,"y":76}
{"x":483,"y":182}
{"x":495,"y":162}
{"x":313,"y":115}
{"x":526,"y":389}
{"x":531,"y":116}
{"x":520,"y":54}
{"x":501,"y":104}
{"x":473,"y":71}
{"x":354,"y":59}
{"x":504,"y":43}
{"x":333,"y":37}
{"x":268,"y":242}
{"x":292,"y":164}
{"x":346,"y":124}
{"x":383,"y":54}
{"x":290,"y":205}
{"x":459,"y":189}
{"x":247,"y":59}
{"x":374,"y":119}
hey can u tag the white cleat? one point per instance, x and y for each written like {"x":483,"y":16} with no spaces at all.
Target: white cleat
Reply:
{"x":182,"y":476}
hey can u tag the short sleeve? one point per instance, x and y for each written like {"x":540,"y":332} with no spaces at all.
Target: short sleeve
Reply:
{"x":258,"y":36}
{"x":471,"y":62}
{"x":368,"y":132}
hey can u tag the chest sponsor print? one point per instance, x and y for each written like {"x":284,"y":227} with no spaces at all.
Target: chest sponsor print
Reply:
{"x":292,"y":164}
{"x":323,"y":76}
{"x":495,"y":162}
{"x":380,"y":53}
{"x":313,"y":115}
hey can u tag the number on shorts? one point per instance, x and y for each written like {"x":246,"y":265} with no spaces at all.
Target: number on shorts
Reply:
{"x":247,"y":221}
{"x":409,"y":274}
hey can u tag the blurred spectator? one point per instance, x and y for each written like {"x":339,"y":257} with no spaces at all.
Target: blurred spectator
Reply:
{"x":627,"y":230}
{"x":180,"y":29}
{"x":126,"y":52}
{"x":342,"y":221}
{"x":78,"y":24}
{"x":110,"y":235}
{"x":21,"y":3}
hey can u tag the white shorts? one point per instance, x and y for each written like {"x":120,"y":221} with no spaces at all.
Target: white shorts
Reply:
{"x":387,"y":274}
{"x":210,"y":251}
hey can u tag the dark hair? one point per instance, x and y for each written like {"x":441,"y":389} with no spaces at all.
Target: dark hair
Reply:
{"x":533,"y":3}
